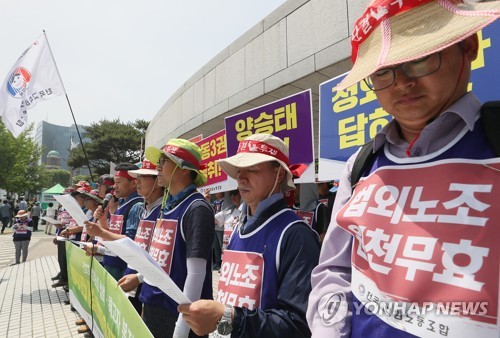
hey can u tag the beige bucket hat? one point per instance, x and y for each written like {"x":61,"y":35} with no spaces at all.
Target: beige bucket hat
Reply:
{"x":146,"y":168}
{"x":392,"y":32}
{"x":256,"y":149}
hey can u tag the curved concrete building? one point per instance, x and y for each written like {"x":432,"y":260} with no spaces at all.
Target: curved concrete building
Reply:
{"x":298,"y":46}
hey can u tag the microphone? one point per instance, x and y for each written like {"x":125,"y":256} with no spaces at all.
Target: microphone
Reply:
{"x":107,"y":198}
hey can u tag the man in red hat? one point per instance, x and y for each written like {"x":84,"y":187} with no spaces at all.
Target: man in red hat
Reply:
{"x":419,"y":231}
{"x":126,"y":218}
{"x":265,"y":275}
{"x":105,"y":184}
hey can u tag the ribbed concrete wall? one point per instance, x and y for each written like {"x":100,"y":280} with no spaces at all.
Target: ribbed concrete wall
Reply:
{"x":298,"y":46}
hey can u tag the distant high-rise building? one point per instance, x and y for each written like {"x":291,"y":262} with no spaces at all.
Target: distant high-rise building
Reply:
{"x":59,"y":139}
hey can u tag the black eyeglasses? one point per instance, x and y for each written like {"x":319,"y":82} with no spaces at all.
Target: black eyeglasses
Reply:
{"x":384,"y":78}
{"x":161,"y":161}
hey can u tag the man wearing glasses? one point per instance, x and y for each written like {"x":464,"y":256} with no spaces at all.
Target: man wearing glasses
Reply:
{"x":416,"y":232}
{"x":182,"y":241}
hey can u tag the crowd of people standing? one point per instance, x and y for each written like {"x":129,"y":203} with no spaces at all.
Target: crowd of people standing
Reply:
{"x":282,"y":276}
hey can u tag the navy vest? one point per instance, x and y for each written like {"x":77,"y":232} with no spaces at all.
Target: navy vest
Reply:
{"x":472,"y":145}
{"x":122,"y":210}
{"x":265,"y":240}
{"x":153,"y":296}
{"x":146,"y":227}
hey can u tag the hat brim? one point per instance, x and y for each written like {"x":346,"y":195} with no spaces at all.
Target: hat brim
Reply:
{"x":95,"y":198}
{"x":21,"y":215}
{"x":135,"y":173}
{"x":417,"y":33}
{"x":231,"y":166}
{"x":154,"y":154}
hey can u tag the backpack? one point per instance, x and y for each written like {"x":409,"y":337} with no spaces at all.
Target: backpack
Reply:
{"x":490,"y":120}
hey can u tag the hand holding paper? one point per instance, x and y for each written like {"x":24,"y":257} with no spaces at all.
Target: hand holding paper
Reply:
{"x":72,"y":207}
{"x":141,"y":261}
{"x":50,"y":220}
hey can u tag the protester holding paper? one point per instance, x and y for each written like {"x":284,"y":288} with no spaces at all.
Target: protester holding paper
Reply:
{"x":148,"y":188}
{"x":64,"y":220}
{"x":182,"y":239}
{"x":74,"y":231}
{"x":152,"y":192}
{"x":266,"y":268}
{"x":126,"y":218}
{"x":92,"y":202}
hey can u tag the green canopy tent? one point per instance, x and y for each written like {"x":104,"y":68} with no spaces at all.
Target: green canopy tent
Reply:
{"x":48,"y":195}
{"x":55,"y":190}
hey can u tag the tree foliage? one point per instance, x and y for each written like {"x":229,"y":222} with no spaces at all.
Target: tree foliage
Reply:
{"x":78,"y":178}
{"x":19,"y":169}
{"x":55,"y":176}
{"x":110,"y":141}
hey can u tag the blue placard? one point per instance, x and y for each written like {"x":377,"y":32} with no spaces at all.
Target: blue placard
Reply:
{"x":350,"y":118}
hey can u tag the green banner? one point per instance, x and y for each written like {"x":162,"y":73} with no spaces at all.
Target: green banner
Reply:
{"x":112,"y":313}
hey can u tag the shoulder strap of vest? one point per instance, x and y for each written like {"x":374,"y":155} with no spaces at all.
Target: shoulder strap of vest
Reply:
{"x":362,"y":161}
{"x":490,"y":119}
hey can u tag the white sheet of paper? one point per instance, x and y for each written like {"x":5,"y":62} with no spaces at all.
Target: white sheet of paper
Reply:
{"x":61,"y":238}
{"x":82,"y":245}
{"x":140,"y":260}
{"x":50,"y":220}
{"x":71,"y":206}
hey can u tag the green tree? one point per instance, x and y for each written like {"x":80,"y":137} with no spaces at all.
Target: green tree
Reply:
{"x":110,"y":141}
{"x":55,"y":176}
{"x":19,"y":167}
{"x":78,"y":178}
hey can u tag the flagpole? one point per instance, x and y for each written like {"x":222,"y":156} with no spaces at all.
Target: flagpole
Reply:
{"x":71,"y":109}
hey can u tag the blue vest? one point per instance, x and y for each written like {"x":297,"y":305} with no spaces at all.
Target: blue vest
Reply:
{"x":152,"y":217}
{"x":122,"y":210}
{"x":153,"y":296}
{"x":473,"y":145}
{"x":265,"y":240}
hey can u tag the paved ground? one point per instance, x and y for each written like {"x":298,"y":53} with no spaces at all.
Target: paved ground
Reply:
{"x":29,"y":306}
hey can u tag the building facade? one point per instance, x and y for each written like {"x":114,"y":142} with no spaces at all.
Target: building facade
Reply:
{"x":300,"y":45}
{"x":57,"y":139}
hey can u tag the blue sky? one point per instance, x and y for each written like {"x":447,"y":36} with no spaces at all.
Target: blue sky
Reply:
{"x":122,"y":59}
